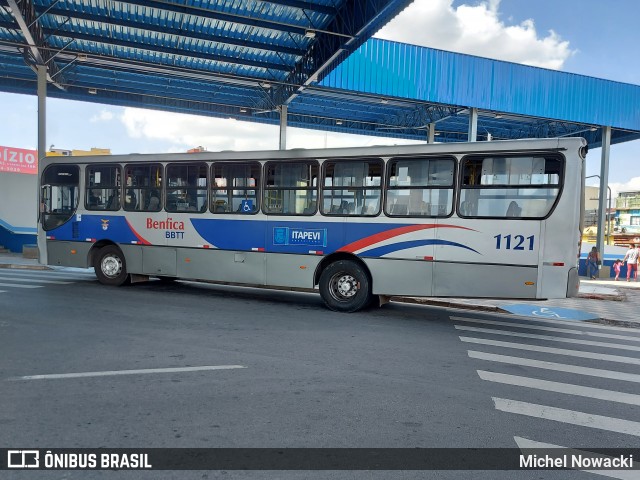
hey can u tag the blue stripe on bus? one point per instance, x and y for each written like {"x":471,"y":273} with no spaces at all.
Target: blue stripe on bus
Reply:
{"x":112,"y":227}
{"x":228,"y":234}
{"x":393,"y":247}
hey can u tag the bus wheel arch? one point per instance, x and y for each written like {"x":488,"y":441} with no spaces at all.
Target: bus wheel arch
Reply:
{"x":110,"y":264}
{"x":95,"y":248}
{"x":344,"y":282}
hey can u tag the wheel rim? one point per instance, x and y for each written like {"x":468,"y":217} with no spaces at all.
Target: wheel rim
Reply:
{"x":343,"y":286}
{"x":111,"y":266}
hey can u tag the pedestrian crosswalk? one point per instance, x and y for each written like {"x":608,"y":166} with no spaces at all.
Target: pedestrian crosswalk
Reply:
{"x":536,"y":368}
{"x":20,"y":279}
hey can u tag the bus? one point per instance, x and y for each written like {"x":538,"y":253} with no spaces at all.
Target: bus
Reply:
{"x":498,"y":219}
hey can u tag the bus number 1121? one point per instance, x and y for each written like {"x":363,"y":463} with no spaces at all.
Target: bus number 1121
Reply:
{"x":515,"y":242}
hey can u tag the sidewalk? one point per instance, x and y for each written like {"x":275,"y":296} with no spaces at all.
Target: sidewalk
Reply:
{"x":16,"y":260}
{"x":616,"y":303}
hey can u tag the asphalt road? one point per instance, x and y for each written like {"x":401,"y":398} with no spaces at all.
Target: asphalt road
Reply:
{"x":399,"y":376}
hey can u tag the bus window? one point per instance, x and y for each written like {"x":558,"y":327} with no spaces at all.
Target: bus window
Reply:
{"x":186,"y":187}
{"x":352,"y":187}
{"x":234,"y":187}
{"x":143,"y":183}
{"x":102,"y":187}
{"x":420,"y":187}
{"x":59,"y":194}
{"x":509,"y":187}
{"x":291,"y":188}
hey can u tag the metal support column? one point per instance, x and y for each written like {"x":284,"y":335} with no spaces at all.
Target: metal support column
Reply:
{"x":604,"y":183}
{"x":473,"y":124}
{"x":431,"y":133}
{"x":283,"y":127}
{"x":42,"y":151}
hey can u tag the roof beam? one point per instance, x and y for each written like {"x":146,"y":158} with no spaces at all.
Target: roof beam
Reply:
{"x":183,"y":32}
{"x":219,"y":16}
{"x":347,"y":30}
{"x":312,"y":7}
{"x":25,"y":16}
{"x":114,"y":64}
{"x":139,"y":45}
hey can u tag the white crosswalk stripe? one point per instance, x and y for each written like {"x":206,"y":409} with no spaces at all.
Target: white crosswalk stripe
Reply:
{"x":495,"y":331}
{"x":32,"y":280}
{"x":568,"y":323}
{"x":573,"y":417}
{"x":25,"y":279}
{"x":47,"y":273}
{"x":559,"y":387}
{"x":13,"y":285}
{"x":571,"y":331}
{"x":535,"y":369}
{"x":558,"y":367}
{"x":556,"y":351}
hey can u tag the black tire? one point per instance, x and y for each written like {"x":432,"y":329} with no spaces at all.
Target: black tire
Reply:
{"x":110,"y":266}
{"x":624,"y":230}
{"x":345,"y":286}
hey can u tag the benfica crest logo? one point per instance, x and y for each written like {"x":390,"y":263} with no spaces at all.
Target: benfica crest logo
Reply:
{"x":105,"y":223}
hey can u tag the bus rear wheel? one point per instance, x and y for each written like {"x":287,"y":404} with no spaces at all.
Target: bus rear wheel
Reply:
{"x":345,"y":286}
{"x":110,"y":266}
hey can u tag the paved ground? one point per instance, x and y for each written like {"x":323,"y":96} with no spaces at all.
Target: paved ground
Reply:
{"x":612,"y":302}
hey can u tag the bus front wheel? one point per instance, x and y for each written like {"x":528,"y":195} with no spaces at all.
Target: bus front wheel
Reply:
{"x":110,"y":266}
{"x":345,"y":286}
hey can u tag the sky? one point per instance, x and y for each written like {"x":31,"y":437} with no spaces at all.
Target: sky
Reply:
{"x":587,"y":37}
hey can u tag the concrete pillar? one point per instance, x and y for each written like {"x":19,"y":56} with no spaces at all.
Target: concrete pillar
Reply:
{"x":473,"y":124}
{"x":604,"y":183}
{"x":431,"y":133}
{"x":283,"y":127}
{"x":42,"y":153}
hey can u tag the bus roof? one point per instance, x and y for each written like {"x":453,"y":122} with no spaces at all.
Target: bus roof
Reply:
{"x":302,"y":154}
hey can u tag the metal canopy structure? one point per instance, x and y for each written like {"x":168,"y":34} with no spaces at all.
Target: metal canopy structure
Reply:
{"x":307,"y":62}
{"x":238,"y":58}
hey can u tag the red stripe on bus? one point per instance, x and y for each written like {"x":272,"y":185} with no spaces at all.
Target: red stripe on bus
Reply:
{"x":141,"y":240}
{"x":394,"y":232}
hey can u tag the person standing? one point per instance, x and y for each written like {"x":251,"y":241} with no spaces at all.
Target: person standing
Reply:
{"x":631,"y":258}
{"x":616,"y":268}
{"x":593,"y":259}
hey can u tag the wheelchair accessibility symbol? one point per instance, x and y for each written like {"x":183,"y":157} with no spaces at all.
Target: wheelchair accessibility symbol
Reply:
{"x":546,"y":312}
{"x":247,"y":206}
{"x":555,"y":313}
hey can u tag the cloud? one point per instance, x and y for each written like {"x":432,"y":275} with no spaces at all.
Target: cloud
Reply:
{"x":632,"y":185}
{"x":103,"y":116}
{"x":476,"y":30}
{"x":184,"y":131}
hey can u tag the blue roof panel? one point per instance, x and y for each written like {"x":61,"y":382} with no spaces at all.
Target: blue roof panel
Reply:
{"x":387,"y":68}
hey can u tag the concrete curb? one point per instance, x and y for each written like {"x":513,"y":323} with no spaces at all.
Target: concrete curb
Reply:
{"x":598,"y":296}
{"x":495,"y":309}
{"x":24,"y":267}
{"x":616,"y":323}
{"x":447,"y":304}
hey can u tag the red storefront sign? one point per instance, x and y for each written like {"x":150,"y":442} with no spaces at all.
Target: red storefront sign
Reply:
{"x":18,"y":160}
